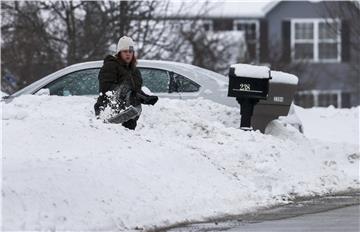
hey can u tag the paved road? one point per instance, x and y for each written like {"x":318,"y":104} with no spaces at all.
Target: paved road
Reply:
{"x":326,"y":214}
{"x":338,"y":220}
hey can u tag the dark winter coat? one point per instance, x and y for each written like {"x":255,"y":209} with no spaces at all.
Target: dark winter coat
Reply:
{"x":116,"y":75}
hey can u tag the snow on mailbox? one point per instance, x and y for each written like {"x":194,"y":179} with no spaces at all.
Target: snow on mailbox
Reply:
{"x":249,"y":84}
{"x":249,"y":81}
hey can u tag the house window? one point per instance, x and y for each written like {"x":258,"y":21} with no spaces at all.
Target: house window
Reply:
{"x":251,"y":30}
{"x":329,"y":41}
{"x":223,"y":24}
{"x":208,"y":25}
{"x":322,"y":98}
{"x":316,"y":40}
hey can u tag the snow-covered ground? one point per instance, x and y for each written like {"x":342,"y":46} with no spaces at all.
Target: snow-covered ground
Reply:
{"x":3,"y":94}
{"x":186,"y":161}
{"x":331,"y":124}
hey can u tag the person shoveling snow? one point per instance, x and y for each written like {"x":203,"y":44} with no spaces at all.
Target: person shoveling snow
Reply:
{"x":120,"y":84}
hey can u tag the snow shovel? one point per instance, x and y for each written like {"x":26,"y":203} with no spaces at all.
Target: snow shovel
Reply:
{"x":129,"y":113}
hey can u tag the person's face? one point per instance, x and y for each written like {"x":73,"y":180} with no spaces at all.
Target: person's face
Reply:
{"x":127,"y":55}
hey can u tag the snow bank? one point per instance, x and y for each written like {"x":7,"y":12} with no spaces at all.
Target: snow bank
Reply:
{"x":3,"y":94}
{"x":331,"y":124}
{"x":64,"y":170}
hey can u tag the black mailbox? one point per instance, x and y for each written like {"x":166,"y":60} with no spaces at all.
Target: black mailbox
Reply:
{"x":249,"y":84}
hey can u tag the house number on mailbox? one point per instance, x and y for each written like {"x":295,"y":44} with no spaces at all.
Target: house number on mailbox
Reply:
{"x":244,"y":87}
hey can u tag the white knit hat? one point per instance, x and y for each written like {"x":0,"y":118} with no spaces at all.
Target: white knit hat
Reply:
{"x":125,"y":43}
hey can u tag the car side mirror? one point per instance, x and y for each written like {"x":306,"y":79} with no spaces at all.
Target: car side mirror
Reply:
{"x":5,"y":97}
{"x":146,"y":90}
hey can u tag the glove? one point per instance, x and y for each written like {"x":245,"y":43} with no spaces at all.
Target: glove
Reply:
{"x":151,"y":100}
{"x":147,"y":99}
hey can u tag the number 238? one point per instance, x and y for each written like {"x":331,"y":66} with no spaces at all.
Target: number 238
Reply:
{"x":245,"y":87}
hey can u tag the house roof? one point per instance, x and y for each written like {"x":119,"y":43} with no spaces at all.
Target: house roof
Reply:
{"x":221,"y":8}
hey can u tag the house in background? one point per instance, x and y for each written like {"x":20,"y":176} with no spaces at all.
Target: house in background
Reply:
{"x":307,"y":38}
{"x":316,"y":38}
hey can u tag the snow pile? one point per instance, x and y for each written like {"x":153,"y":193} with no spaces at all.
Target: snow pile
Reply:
{"x":331,"y":124}
{"x":186,"y":161}
{"x":3,"y":94}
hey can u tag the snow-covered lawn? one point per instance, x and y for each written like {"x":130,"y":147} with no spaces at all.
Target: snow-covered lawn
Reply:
{"x":3,"y":94}
{"x":331,"y":124}
{"x":186,"y":161}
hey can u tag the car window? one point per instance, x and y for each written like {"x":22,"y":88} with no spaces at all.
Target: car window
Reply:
{"x":156,"y":80}
{"x":84,"y":82}
{"x":185,"y":85}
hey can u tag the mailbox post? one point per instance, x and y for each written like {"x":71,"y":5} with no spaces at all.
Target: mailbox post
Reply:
{"x":248,"y":84}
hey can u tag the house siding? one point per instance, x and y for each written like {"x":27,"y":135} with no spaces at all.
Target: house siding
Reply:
{"x":273,"y":43}
{"x":321,"y":76}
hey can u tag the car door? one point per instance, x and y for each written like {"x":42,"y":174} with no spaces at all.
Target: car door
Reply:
{"x":85,"y":82}
{"x":187,"y":88}
{"x":159,"y":82}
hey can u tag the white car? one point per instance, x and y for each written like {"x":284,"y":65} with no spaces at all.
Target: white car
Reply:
{"x":172,"y":80}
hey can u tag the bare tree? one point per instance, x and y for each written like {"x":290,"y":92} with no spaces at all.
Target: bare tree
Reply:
{"x":77,"y":29}
{"x":188,"y":40}
{"x":67,"y":32}
{"x":213,"y":50}
{"x":26,"y":51}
